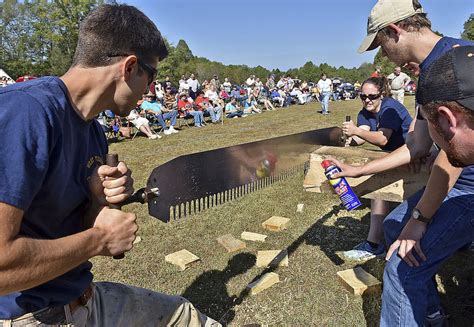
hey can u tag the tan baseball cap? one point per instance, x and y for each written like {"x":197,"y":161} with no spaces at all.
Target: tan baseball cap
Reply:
{"x":386,"y":12}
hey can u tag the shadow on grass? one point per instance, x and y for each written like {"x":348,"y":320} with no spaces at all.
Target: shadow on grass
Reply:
{"x":209,"y":291}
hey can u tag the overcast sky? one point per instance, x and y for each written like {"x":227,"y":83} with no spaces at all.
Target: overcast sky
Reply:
{"x":283,"y":33}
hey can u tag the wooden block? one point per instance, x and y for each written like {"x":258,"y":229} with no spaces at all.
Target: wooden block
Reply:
{"x":359,"y":282}
{"x":182,"y":259}
{"x":249,"y":236}
{"x":275,"y":258}
{"x":263,"y":283}
{"x":393,"y":185}
{"x":276,"y":223}
{"x":299,"y":207}
{"x":230,"y":243}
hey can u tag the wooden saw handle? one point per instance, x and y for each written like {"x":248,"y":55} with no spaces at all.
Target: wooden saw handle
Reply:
{"x":111,"y":159}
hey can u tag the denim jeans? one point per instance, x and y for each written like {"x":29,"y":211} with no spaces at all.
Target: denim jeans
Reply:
{"x":410,"y":293}
{"x":234,"y":114}
{"x":198,"y":117}
{"x":215,"y":113}
{"x":325,"y":101}
{"x":171,"y":115}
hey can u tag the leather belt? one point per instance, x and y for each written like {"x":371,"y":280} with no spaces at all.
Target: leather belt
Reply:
{"x":82,"y":300}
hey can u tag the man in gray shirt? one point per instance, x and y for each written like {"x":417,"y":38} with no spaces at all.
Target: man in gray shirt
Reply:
{"x":397,"y":82}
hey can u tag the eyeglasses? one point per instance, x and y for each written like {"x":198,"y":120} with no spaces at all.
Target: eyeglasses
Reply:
{"x":371,"y":97}
{"x":149,"y":69}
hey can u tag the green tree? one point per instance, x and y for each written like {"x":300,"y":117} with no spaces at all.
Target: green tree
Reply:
{"x":468,"y":32}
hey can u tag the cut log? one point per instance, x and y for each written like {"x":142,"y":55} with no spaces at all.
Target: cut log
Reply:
{"x":358,"y":281}
{"x":230,"y":243}
{"x":263,"y":283}
{"x":393,"y":185}
{"x":183,"y":259}
{"x":249,"y":236}
{"x":276,"y":223}
{"x":274,"y":258}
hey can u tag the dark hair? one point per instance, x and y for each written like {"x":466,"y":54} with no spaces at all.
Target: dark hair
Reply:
{"x":113,"y":30}
{"x":431,"y":112}
{"x":380,"y":83}
{"x":323,"y":74}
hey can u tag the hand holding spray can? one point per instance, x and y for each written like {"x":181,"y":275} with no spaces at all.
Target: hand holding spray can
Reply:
{"x":340,"y":185}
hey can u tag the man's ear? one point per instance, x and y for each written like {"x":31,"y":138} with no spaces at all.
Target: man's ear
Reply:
{"x":129,"y":65}
{"x":394,"y":31}
{"x":448,"y":121}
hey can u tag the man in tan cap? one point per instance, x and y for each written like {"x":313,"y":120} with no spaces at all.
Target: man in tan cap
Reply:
{"x":410,"y":296}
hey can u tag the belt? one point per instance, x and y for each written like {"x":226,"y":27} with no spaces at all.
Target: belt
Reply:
{"x":50,"y":315}
{"x":82,"y":300}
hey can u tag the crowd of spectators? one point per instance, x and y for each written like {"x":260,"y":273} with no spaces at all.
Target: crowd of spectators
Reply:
{"x":193,"y":100}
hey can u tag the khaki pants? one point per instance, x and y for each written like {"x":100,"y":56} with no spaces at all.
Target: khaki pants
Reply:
{"x":120,"y":305}
{"x":398,"y":95}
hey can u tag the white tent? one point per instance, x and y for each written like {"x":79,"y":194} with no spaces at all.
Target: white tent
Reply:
{"x":3,"y":73}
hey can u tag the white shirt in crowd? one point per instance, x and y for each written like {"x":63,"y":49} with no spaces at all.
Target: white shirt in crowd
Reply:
{"x":184,"y":86}
{"x":193,"y":84}
{"x":211,"y":95}
{"x":398,"y":82}
{"x":325,"y":85}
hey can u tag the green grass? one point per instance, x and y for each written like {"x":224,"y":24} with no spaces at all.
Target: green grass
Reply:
{"x":308,"y":293}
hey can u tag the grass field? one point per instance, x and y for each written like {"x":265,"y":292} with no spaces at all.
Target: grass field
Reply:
{"x":308,"y":293}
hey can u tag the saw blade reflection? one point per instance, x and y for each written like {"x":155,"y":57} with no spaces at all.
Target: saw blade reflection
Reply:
{"x":198,"y":181}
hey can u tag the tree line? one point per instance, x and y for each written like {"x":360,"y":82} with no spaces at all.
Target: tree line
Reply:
{"x":39,"y":37}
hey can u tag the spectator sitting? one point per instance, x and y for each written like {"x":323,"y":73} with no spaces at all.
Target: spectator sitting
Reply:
{"x":226,"y":86}
{"x":185,"y":110}
{"x":232,"y":110}
{"x":251,"y":106}
{"x":142,"y":124}
{"x":113,"y":126}
{"x":276,"y":97}
{"x":205,"y":105}
{"x":184,"y":85}
{"x":162,"y":113}
{"x":170,"y":99}
{"x":286,"y":97}
{"x":262,"y":97}
{"x":302,"y":97}
{"x":237,"y":95}
{"x":224,"y":96}
{"x":193,"y":86}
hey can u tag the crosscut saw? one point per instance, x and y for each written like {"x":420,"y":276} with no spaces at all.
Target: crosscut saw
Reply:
{"x":194,"y":182}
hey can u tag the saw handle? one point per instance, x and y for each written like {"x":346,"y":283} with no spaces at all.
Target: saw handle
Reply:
{"x":111,"y":159}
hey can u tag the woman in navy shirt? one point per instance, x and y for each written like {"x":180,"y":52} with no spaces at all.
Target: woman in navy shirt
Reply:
{"x":383,"y":122}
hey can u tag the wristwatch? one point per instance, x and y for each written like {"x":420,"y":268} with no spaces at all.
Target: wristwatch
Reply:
{"x":417,"y":215}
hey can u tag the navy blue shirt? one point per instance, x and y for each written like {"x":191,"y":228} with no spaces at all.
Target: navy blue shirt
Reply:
{"x":47,"y":154}
{"x":392,"y":115}
{"x":466,"y":180}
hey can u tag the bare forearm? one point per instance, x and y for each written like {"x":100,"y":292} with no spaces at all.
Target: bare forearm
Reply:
{"x":375,"y":138}
{"x":442,"y":179}
{"x":27,"y":262}
{"x":397,"y":158}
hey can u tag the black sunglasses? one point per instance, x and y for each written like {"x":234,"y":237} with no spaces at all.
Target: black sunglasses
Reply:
{"x":149,"y":69}
{"x":371,"y":97}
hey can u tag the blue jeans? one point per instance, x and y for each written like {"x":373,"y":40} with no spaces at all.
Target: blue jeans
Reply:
{"x":215,"y":113}
{"x":325,"y":102}
{"x":234,"y":114}
{"x":198,"y":117}
{"x":409,"y":293}
{"x":171,"y":115}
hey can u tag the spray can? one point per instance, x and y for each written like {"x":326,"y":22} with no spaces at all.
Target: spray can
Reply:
{"x":340,"y":185}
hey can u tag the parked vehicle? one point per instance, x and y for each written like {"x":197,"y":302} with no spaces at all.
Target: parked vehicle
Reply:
{"x":410,"y":88}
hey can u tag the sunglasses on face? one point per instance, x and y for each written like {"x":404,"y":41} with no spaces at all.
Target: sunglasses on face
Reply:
{"x":371,"y":97}
{"x":149,"y":69}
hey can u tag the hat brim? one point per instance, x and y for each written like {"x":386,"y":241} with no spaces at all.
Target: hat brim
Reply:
{"x":368,"y":43}
{"x":468,"y":103}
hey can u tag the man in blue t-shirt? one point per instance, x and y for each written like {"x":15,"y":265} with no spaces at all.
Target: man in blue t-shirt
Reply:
{"x":415,"y":228}
{"x":55,"y":188}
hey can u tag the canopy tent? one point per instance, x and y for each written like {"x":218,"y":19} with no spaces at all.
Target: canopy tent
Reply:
{"x":4,"y":74}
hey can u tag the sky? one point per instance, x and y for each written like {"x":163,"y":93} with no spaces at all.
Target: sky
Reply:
{"x":283,"y":34}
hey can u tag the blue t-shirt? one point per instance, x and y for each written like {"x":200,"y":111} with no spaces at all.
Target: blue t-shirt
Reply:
{"x":47,"y":154}
{"x":153,"y":106}
{"x":392,"y":115}
{"x":466,"y":180}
